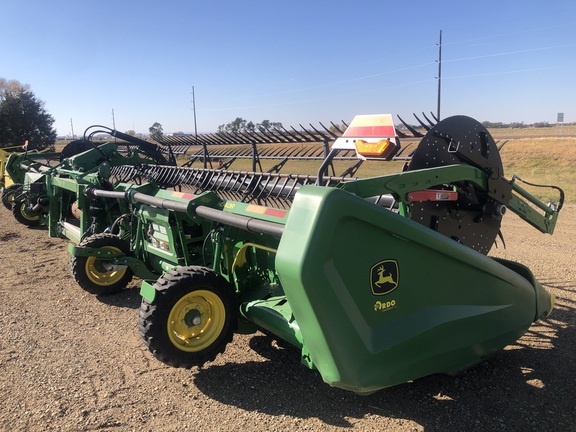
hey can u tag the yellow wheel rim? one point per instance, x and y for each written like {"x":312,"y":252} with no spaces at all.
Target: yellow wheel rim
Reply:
{"x":97,"y":273}
{"x":9,"y":198}
{"x":196,"y":320}
{"x":26,"y":215}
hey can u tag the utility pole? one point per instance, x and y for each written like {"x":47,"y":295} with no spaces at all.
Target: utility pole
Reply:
{"x":194,"y":109}
{"x":113,"y":123}
{"x":204,"y":149}
{"x":72,"y":127}
{"x":439,"y":77}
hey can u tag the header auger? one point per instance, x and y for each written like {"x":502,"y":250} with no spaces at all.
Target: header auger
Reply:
{"x":375,"y":281}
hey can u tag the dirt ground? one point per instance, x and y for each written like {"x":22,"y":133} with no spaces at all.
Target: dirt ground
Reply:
{"x":70,"y":361}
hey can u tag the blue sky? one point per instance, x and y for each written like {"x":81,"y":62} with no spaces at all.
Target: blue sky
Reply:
{"x":289,"y":61}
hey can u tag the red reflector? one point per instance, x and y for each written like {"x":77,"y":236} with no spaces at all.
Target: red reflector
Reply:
{"x":433,"y":195}
{"x":275,"y":213}
{"x":370,"y":131}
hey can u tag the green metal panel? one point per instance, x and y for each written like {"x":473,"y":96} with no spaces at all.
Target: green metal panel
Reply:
{"x":410,"y":181}
{"x":147,"y":291}
{"x":62,"y":192}
{"x":15,"y":160}
{"x":160,"y":239}
{"x":381,"y":300}
{"x":274,"y":314}
{"x":544,"y":221}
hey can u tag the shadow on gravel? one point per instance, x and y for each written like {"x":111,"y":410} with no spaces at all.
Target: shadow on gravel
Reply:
{"x":9,"y":236}
{"x":38,"y":228}
{"x":529,"y":386}
{"x":127,"y":298}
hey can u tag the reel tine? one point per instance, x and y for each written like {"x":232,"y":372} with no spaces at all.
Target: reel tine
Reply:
{"x":414,"y":132}
{"x":432,"y":124}
{"x":501,"y":145}
{"x":424,"y":125}
{"x":501,"y":236}
{"x":337,"y":128}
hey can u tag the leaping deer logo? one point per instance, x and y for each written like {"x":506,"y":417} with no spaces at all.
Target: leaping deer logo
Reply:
{"x":384,"y":277}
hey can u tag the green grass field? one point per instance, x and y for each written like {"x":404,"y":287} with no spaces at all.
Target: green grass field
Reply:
{"x":556,"y":131}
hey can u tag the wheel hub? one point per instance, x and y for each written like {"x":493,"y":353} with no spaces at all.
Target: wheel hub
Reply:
{"x":193,"y":318}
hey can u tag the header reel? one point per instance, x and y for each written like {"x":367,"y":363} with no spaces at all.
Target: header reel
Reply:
{"x":470,"y":216}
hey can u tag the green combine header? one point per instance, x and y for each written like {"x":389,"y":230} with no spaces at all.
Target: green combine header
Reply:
{"x":374,"y":281}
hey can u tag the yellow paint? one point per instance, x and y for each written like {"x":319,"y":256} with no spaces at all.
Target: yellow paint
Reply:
{"x":203,"y":306}
{"x":255,"y":209}
{"x":240,"y":258}
{"x":98,"y":275}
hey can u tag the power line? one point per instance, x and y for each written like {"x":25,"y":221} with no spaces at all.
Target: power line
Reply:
{"x":511,"y":52}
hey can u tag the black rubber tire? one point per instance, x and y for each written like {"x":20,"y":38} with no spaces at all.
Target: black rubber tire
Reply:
{"x":9,"y":194}
{"x":89,"y":273}
{"x":23,"y":216}
{"x":183,"y":287}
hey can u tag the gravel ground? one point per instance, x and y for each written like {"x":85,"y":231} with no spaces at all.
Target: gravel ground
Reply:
{"x":71,"y":361}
